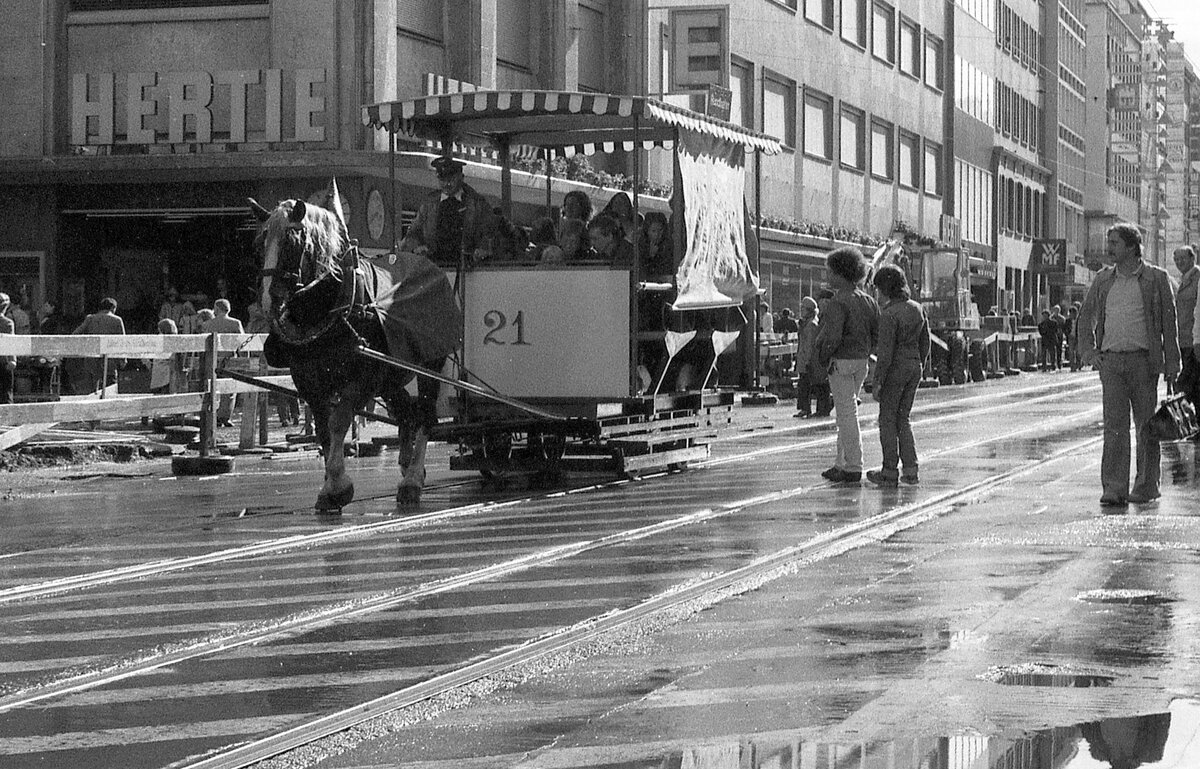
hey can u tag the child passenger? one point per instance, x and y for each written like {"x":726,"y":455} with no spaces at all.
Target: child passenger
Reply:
{"x":901,"y":355}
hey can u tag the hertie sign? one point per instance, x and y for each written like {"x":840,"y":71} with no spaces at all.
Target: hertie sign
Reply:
{"x":1048,"y":256}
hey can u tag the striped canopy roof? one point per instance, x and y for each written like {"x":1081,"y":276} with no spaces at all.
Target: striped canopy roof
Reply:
{"x":564,"y":121}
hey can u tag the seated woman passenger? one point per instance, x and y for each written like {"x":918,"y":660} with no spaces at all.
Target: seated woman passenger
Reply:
{"x":577,"y":205}
{"x":655,"y":248}
{"x":607,"y":244}
{"x":541,"y":237}
{"x":572,"y":243}
{"x":620,"y":208}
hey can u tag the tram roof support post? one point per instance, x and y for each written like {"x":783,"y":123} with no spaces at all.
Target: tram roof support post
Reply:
{"x":549,"y":157}
{"x":505,"y":178}
{"x":636,"y":272}
{"x":395,"y":198}
{"x":757,"y":261}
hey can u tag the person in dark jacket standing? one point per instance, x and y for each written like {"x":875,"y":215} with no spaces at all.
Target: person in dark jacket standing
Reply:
{"x":1185,"y":305}
{"x":848,"y":334}
{"x":1127,"y":329}
{"x":901,"y":354}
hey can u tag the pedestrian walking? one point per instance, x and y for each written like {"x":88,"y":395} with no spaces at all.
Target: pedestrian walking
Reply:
{"x":819,"y":373}
{"x":806,"y":337}
{"x":1127,"y":329}
{"x":104,"y":321}
{"x":223,"y":323}
{"x":1072,"y":331}
{"x":1048,"y":331}
{"x":847,"y":336}
{"x":901,"y":355}
{"x":1060,"y":335}
{"x":1185,"y":307}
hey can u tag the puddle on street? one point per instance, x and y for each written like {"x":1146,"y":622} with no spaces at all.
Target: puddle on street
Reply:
{"x":1169,"y":740}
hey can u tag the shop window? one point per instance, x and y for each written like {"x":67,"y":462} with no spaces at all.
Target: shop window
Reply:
{"x":853,"y":125}
{"x":818,"y":125}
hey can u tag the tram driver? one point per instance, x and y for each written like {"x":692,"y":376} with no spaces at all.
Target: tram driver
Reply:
{"x":453,"y":220}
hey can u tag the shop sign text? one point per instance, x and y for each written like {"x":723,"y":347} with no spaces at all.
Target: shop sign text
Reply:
{"x":175,"y":107}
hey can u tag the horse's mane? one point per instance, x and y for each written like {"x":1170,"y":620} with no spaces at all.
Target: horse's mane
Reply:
{"x":325,"y":234}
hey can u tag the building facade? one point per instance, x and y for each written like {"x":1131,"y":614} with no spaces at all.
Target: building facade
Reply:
{"x":138,"y":128}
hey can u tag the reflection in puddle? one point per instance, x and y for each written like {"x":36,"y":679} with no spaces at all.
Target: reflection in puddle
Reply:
{"x":1168,"y":740}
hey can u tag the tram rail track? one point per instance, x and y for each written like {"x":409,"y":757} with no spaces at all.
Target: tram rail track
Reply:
{"x":706,"y":592}
{"x":365,"y":530}
{"x":241,"y":636}
{"x":118,"y":670}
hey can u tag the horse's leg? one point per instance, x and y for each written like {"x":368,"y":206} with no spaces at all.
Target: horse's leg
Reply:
{"x":338,"y":490}
{"x":419,"y":419}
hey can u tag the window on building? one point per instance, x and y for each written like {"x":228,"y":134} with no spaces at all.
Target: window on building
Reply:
{"x":853,"y":127}
{"x":514,"y":19}
{"x":420,"y":18}
{"x":700,"y":51}
{"x":592,"y":49}
{"x":779,"y":108}
{"x":819,"y":12}
{"x":910,"y":48}
{"x":854,"y":22}
{"x":909,"y":168}
{"x":818,"y":125}
{"x":933,"y":168}
{"x":934,"y":57}
{"x":741,"y":87}
{"x":883,"y":162}
{"x":883,"y":32}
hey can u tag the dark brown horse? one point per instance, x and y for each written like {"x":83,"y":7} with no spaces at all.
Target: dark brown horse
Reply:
{"x":325,"y":301}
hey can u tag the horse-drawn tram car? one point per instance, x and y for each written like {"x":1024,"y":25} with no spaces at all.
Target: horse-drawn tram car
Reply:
{"x":607,"y":364}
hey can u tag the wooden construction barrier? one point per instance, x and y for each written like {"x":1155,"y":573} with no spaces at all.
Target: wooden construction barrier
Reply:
{"x":27,"y":419}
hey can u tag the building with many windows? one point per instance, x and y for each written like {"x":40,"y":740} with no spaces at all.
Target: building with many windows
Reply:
{"x":140,"y":127}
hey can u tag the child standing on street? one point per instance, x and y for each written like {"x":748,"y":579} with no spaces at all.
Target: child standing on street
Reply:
{"x":900,"y":358}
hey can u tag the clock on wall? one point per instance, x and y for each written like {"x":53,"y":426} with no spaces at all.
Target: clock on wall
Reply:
{"x":376,"y":214}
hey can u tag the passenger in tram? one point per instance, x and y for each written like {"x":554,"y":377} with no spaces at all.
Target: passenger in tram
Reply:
{"x":608,"y":245}
{"x":656,"y":249}
{"x":542,"y":236}
{"x":578,"y":206}
{"x":454,"y":220}
{"x":620,"y":208}
{"x":848,"y":335}
{"x":573,"y":243}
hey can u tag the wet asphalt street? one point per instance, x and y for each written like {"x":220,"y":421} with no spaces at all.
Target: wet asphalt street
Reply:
{"x":995,"y":615}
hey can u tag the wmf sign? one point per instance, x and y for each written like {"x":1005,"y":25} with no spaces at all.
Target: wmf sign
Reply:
{"x":1048,"y":257}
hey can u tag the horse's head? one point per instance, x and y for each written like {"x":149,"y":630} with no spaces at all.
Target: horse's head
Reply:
{"x":300,"y":243}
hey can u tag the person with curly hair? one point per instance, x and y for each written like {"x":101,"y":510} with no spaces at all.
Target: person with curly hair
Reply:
{"x":848,"y":334}
{"x":903,"y":350}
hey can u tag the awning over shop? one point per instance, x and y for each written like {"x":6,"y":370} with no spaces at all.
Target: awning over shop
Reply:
{"x":566,"y":122}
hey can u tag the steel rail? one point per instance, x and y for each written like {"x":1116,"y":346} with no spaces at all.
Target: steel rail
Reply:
{"x":752,"y":575}
{"x":324,"y":615}
{"x":165,"y":566}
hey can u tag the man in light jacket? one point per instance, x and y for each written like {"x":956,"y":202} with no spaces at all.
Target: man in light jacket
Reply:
{"x":1127,"y":329}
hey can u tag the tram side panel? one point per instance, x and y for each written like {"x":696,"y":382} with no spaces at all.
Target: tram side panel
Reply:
{"x":549,"y":333}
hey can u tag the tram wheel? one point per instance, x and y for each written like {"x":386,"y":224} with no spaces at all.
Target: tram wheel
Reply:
{"x":192,"y":465}
{"x":677,"y":467}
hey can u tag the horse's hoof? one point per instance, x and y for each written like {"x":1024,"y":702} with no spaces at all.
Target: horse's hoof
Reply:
{"x":408,"y":495}
{"x":333,"y":503}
